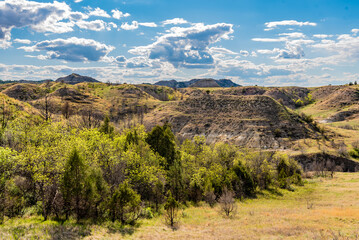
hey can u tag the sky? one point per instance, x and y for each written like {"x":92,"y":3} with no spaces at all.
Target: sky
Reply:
{"x":257,"y":42}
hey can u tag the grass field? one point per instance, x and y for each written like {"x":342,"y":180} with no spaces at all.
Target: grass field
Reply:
{"x":324,"y":208}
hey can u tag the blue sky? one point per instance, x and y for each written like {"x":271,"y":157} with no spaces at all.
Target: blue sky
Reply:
{"x":269,"y":43}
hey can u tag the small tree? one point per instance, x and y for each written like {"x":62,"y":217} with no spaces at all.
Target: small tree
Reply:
{"x":125,"y":204}
{"x":106,"y":126}
{"x":162,"y":141}
{"x":6,"y":114}
{"x":66,"y":110}
{"x":73,"y":183}
{"x":227,"y":202}
{"x":171,"y":207}
{"x":46,"y":107}
{"x":7,"y":160}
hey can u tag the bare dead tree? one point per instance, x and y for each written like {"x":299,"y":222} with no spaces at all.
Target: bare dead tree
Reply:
{"x":89,"y":118}
{"x":227,"y":203}
{"x":46,"y":107}
{"x":66,"y":110}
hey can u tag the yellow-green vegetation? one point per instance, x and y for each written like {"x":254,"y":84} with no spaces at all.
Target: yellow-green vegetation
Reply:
{"x":90,"y":161}
{"x":324,"y":208}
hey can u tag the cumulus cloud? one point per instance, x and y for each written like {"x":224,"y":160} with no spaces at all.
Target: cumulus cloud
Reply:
{"x":148,"y":24}
{"x":71,"y":49}
{"x":292,"y":51}
{"x":174,"y":21}
{"x":41,"y":17}
{"x":96,"y":25}
{"x":355,"y":31}
{"x":132,"y":26}
{"x":221,"y":50}
{"x":186,"y":47}
{"x":117,"y":14}
{"x":249,"y":70}
{"x":5,"y":41}
{"x":273,"y":25}
{"x":293,"y":35}
{"x":244,"y":53}
{"x":138,"y":62}
{"x":23,"y":41}
{"x":268,"y":51}
{"x":121,"y":59}
{"x":322,"y":36}
{"x":282,"y":39}
{"x":98,"y":12}
{"x":56,"y":17}
{"x":346,"y":45}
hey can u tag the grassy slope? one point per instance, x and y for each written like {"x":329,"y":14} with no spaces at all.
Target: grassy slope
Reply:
{"x":334,"y":215}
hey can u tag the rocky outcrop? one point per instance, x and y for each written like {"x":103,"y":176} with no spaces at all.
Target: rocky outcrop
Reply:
{"x":324,"y":161}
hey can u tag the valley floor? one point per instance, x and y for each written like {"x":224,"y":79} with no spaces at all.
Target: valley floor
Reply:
{"x":324,"y":208}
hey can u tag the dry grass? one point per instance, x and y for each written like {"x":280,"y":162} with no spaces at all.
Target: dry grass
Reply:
{"x":333,"y":214}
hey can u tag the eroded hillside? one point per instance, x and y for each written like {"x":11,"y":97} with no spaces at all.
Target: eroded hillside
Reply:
{"x":259,"y":117}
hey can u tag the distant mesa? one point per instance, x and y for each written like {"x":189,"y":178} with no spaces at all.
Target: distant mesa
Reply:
{"x":202,"y":83}
{"x":75,"y":79}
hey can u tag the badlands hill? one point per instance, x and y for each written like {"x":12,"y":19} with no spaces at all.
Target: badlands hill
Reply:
{"x":296,"y":120}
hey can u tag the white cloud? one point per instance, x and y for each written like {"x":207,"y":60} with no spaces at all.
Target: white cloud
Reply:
{"x":138,"y":62}
{"x":355,"y":31}
{"x":268,"y":51}
{"x":148,"y":24}
{"x":98,"y":12}
{"x":77,"y":1}
{"x":23,"y":41}
{"x":71,"y":49}
{"x":56,"y":17}
{"x":346,"y":45}
{"x":5,"y":38}
{"x":273,"y":25}
{"x":96,"y":25}
{"x":292,"y":51}
{"x":282,"y":39}
{"x":175,"y":21}
{"x":244,"y":53}
{"x":221,"y":50}
{"x":117,"y":14}
{"x":322,"y":36}
{"x":249,"y":70}
{"x":327,"y":69}
{"x":293,"y":35}
{"x":41,"y":17}
{"x":186,"y":47}
{"x":132,"y":26}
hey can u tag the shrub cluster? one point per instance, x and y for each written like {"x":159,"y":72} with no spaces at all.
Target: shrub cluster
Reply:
{"x":63,"y":172}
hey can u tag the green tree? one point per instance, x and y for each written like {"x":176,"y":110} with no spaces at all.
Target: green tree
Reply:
{"x":95,"y":191}
{"x":171,"y":207}
{"x":125,"y":204}
{"x":162,"y":141}
{"x":106,"y":126}
{"x":175,"y":181}
{"x":246,"y":183}
{"x":73,"y":183}
{"x":7,"y":162}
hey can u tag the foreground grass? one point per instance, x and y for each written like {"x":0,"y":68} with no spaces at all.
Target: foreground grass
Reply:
{"x":323,"y":209}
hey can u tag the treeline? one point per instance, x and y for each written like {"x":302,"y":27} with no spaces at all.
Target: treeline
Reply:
{"x":62,"y":172}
